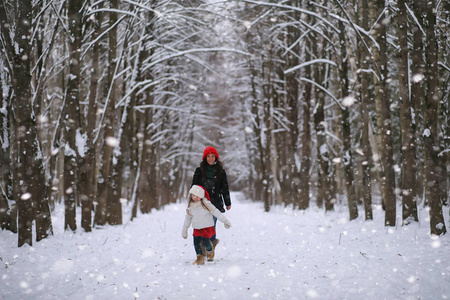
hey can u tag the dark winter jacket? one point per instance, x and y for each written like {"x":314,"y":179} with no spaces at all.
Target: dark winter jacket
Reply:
{"x":216,"y":185}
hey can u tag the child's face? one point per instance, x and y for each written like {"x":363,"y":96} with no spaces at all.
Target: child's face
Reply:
{"x":196,"y":198}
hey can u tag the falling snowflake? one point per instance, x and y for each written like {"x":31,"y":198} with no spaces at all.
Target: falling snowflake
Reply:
{"x":348,"y":101}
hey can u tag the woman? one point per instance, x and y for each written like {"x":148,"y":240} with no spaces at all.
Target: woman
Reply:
{"x":213,"y":178}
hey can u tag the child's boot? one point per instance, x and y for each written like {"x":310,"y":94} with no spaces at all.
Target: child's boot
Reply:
{"x":215,"y":242}
{"x":200,"y":260}
{"x":210,"y":254}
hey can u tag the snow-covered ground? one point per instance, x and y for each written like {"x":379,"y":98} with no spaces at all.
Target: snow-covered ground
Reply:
{"x":283,"y":254}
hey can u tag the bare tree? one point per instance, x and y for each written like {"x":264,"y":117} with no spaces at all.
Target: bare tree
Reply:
{"x":443,"y":35}
{"x":380,"y":20}
{"x":304,"y":197}
{"x":32,"y":192}
{"x":6,"y":186}
{"x":431,"y":132}
{"x":418,"y":88}
{"x":346,"y":127}
{"x":72,"y":121}
{"x":366,"y":99}
{"x":408,"y":135}
{"x":324,"y":186}
{"x":292,"y":102}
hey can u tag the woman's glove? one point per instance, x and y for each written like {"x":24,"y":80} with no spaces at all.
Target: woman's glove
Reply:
{"x":184,"y":233}
{"x":227,"y":224}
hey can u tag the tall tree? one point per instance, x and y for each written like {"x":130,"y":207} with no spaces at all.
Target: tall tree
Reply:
{"x":305,"y":161}
{"x":5,"y":145}
{"x":87,"y":167}
{"x":346,"y":126}
{"x":380,"y":21}
{"x":147,"y":193}
{"x":72,"y":120}
{"x":292,"y":144}
{"x":324,"y":193}
{"x":113,"y":124}
{"x":443,"y":36}
{"x":418,"y":87}
{"x":366,"y":99}
{"x":32,"y":192}
{"x":408,"y":182}
{"x":108,"y":202}
{"x":292,"y":109}
{"x":431,"y":133}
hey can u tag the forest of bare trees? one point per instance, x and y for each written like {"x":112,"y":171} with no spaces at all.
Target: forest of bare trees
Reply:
{"x":312,"y":103}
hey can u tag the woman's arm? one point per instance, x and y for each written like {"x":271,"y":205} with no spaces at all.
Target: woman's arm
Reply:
{"x":197,"y":179}
{"x":225,"y":190}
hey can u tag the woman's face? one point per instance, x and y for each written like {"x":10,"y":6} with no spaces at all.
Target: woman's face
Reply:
{"x":195,"y":198}
{"x":210,"y":159}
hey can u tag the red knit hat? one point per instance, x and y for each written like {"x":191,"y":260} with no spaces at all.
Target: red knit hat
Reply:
{"x":206,"y":193}
{"x":199,"y":191}
{"x":210,"y":150}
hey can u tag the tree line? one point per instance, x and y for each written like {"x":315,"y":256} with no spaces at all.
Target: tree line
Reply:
{"x":106,"y":103}
{"x":346,"y":100}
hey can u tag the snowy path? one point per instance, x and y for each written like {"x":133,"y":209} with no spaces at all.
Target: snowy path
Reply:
{"x":283,"y":254}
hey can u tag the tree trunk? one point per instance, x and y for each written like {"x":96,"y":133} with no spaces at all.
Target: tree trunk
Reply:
{"x":132,"y":129}
{"x":324,"y":194}
{"x":5,"y":220}
{"x":107,"y":202}
{"x":264,"y":153}
{"x":88,"y":190}
{"x":114,"y":208}
{"x":431,"y":133}
{"x":409,"y":205}
{"x":261,"y":164}
{"x":292,"y":99}
{"x":72,"y":121}
{"x":444,"y":83}
{"x":274,"y":158}
{"x":365,"y":121}
{"x":324,"y":186}
{"x":270,"y":142}
{"x":28,"y":160}
{"x":147,"y":196}
{"x":6,"y":186}
{"x":304,"y":184}
{"x":383,"y":118}
{"x":22,"y":117}
{"x":418,"y":89}
{"x":303,"y":201}
{"x":115,"y":215}
{"x":346,"y":128}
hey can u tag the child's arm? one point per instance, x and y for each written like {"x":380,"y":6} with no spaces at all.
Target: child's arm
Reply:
{"x":216,"y":213}
{"x":186,"y":225}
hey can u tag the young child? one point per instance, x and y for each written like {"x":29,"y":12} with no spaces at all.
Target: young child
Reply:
{"x":200,"y":214}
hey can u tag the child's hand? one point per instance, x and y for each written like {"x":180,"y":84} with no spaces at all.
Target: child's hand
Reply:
{"x":227,"y":224}
{"x":184,"y":234}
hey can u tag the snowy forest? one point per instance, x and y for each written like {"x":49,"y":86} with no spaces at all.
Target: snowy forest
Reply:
{"x":309,"y":103}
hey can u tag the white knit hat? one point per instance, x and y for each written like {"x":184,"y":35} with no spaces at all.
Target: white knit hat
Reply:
{"x":197,"y":191}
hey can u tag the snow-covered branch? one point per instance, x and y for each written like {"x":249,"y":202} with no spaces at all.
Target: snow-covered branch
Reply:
{"x":311,"y":62}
